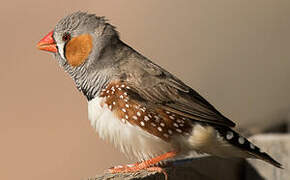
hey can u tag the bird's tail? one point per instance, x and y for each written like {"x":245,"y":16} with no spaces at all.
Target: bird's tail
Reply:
{"x":243,"y":144}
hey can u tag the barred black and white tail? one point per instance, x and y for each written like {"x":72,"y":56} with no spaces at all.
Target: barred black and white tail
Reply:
{"x":245,"y":145}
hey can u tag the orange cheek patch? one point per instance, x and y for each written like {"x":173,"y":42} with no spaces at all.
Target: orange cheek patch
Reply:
{"x":78,"y":49}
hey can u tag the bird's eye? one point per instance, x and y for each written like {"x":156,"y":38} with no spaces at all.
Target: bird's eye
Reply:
{"x":66,"y":37}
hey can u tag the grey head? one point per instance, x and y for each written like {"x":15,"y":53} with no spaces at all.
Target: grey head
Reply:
{"x":94,"y":40}
{"x":80,"y":23}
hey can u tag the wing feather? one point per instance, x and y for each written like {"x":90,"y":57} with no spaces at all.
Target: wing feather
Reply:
{"x":158,"y":87}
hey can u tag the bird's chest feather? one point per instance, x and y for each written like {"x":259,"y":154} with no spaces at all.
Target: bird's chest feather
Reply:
{"x":131,"y":139}
{"x":134,"y":127}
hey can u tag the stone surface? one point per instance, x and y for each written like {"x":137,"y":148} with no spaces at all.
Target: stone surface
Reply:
{"x":205,"y":168}
{"x":278,"y":146}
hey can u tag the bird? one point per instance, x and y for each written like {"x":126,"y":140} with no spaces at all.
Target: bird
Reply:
{"x":137,"y":105}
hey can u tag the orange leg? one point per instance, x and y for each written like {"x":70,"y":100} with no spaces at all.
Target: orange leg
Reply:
{"x":145,"y":165}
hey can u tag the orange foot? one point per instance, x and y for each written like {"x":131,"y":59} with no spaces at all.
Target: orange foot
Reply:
{"x":145,"y":165}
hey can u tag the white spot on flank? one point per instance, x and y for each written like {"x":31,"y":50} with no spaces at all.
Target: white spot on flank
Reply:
{"x":128,"y":87}
{"x":126,"y":100}
{"x":153,"y":124}
{"x":122,"y":85}
{"x":187,"y":134}
{"x":135,"y":117}
{"x":119,"y":89}
{"x":181,"y":125}
{"x":124,"y":110}
{"x":126,"y":116}
{"x":110,"y":107}
{"x":114,"y":103}
{"x":159,"y":129}
{"x":165,"y":135}
{"x":138,"y":113}
{"x":125,"y":94}
{"x":146,"y":118}
{"x":171,"y":117}
{"x":176,"y":125}
{"x":117,"y":85}
{"x":107,"y":91}
{"x":178,"y":120}
{"x":142,"y":123}
{"x":230,"y":135}
{"x":167,"y":112}
{"x":169,"y":131}
{"x":121,"y":96}
{"x":179,"y":130}
{"x":241,"y":140}
{"x":127,"y":105}
{"x":156,"y":118}
{"x":162,"y":124}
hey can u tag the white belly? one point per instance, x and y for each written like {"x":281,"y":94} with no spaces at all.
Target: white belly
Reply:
{"x":131,"y":140}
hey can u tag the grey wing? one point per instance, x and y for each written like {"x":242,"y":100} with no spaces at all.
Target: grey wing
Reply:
{"x":156,"y":86}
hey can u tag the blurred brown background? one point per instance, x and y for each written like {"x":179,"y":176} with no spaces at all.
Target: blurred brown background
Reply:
{"x":235,"y":53}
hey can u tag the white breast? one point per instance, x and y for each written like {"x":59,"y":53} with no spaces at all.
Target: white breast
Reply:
{"x":131,"y":140}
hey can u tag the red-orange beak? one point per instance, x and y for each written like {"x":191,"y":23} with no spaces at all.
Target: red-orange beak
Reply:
{"x":47,"y":43}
